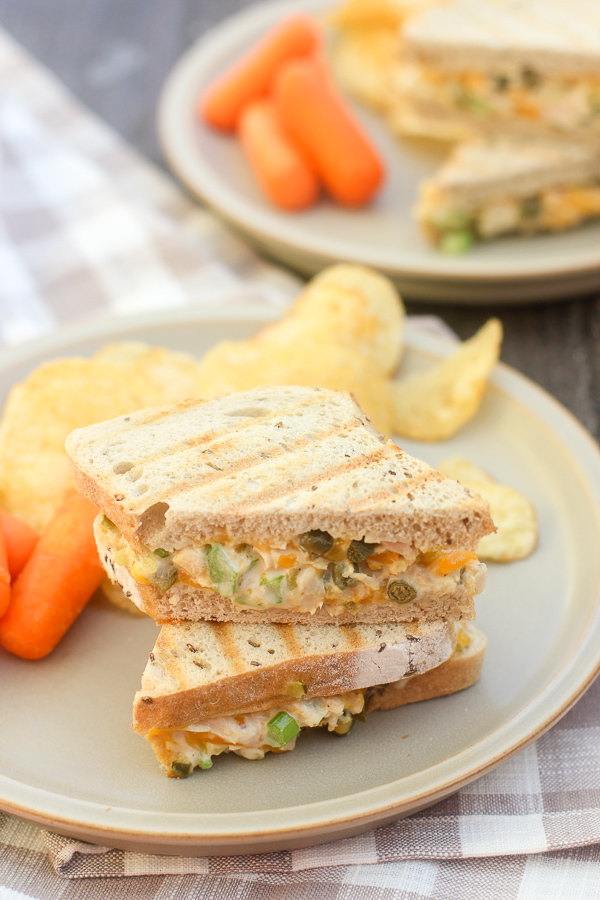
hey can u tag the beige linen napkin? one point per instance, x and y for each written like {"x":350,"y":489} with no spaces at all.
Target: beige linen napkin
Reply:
{"x":88,"y":227}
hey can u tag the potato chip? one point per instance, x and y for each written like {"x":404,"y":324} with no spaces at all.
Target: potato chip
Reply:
{"x":70,"y":393}
{"x":39,"y":414}
{"x":362,"y":14}
{"x":433,"y":405}
{"x":346,"y":305}
{"x":167,"y":375}
{"x":356,"y":307}
{"x":235,"y":366}
{"x":361,"y":62}
{"x":513,"y":514}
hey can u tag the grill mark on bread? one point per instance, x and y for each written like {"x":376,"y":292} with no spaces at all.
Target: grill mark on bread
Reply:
{"x":288,"y":636}
{"x":212,"y":435}
{"x":225,"y":637}
{"x":443,"y":512}
{"x":276,"y":451}
{"x":278,"y":492}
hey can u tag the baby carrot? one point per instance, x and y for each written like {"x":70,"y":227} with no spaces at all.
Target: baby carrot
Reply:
{"x":60,"y":576}
{"x":4,"y":575}
{"x":283,"y":174}
{"x":319,"y":121}
{"x":250,"y":78}
{"x":20,"y":538}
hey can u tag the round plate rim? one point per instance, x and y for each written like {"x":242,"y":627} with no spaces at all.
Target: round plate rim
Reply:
{"x":358,"y":810}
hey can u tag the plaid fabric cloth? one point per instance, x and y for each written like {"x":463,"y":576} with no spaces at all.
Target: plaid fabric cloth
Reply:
{"x":89,"y":227}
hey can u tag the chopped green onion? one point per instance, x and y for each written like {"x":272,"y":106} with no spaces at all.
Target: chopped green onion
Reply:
{"x":274,"y":585}
{"x":452,"y":220}
{"x":292,"y":579}
{"x":454,"y":243}
{"x":221,"y":571}
{"x":282,"y":728}
{"x":162,"y":553}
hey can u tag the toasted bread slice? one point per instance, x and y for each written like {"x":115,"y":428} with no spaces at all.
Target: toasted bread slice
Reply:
{"x":267,"y":463}
{"x":275,"y":726}
{"x":201,"y":670}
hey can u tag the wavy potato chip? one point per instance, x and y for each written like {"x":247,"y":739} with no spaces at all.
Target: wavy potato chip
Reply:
{"x":236,"y":366}
{"x":343,"y":332}
{"x":513,"y":514}
{"x":167,"y":375}
{"x":39,"y":414}
{"x":69,"y":393}
{"x":362,"y":61}
{"x":355,"y":307}
{"x":433,"y":405}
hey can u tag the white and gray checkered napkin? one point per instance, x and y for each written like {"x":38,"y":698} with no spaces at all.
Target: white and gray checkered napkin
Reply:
{"x":88,"y":227}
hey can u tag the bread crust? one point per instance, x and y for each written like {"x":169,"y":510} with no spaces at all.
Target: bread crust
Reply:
{"x":457,"y":673}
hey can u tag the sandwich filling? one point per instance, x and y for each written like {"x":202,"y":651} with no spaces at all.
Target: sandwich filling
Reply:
{"x":562,"y":102}
{"x":304,"y":573}
{"x":181,"y":750}
{"x":454,"y":227}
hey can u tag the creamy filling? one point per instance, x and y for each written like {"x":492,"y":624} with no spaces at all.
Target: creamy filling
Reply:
{"x":454,"y":229}
{"x":181,"y":750}
{"x":251,"y":735}
{"x":562,"y":102}
{"x":303,"y":573}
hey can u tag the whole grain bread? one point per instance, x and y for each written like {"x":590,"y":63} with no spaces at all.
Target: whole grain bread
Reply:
{"x":458,"y":672}
{"x":201,"y":670}
{"x":265,"y":463}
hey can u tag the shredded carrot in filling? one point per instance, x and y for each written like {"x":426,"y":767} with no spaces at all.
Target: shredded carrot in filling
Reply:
{"x":456,"y":559}
{"x":287,"y":560}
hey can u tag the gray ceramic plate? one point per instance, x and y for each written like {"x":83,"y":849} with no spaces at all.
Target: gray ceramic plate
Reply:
{"x":69,"y":759}
{"x":384,"y":235}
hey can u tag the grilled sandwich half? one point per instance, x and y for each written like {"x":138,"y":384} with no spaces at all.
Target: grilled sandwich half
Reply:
{"x":213,"y":688}
{"x":495,"y":186}
{"x":277,"y":505}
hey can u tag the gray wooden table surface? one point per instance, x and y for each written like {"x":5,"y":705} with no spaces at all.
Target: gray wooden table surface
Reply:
{"x":115,"y":54}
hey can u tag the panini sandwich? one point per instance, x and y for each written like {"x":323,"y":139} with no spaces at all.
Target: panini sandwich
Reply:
{"x":520,"y":67}
{"x":496,"y":186}
{"x":277,"y":505}
{"x":214,"y":688}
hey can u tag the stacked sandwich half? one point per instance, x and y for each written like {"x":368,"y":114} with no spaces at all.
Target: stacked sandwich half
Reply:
{"x":304,"y":570}
{"x":524,"y":77}
{"x":514,"y":84}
